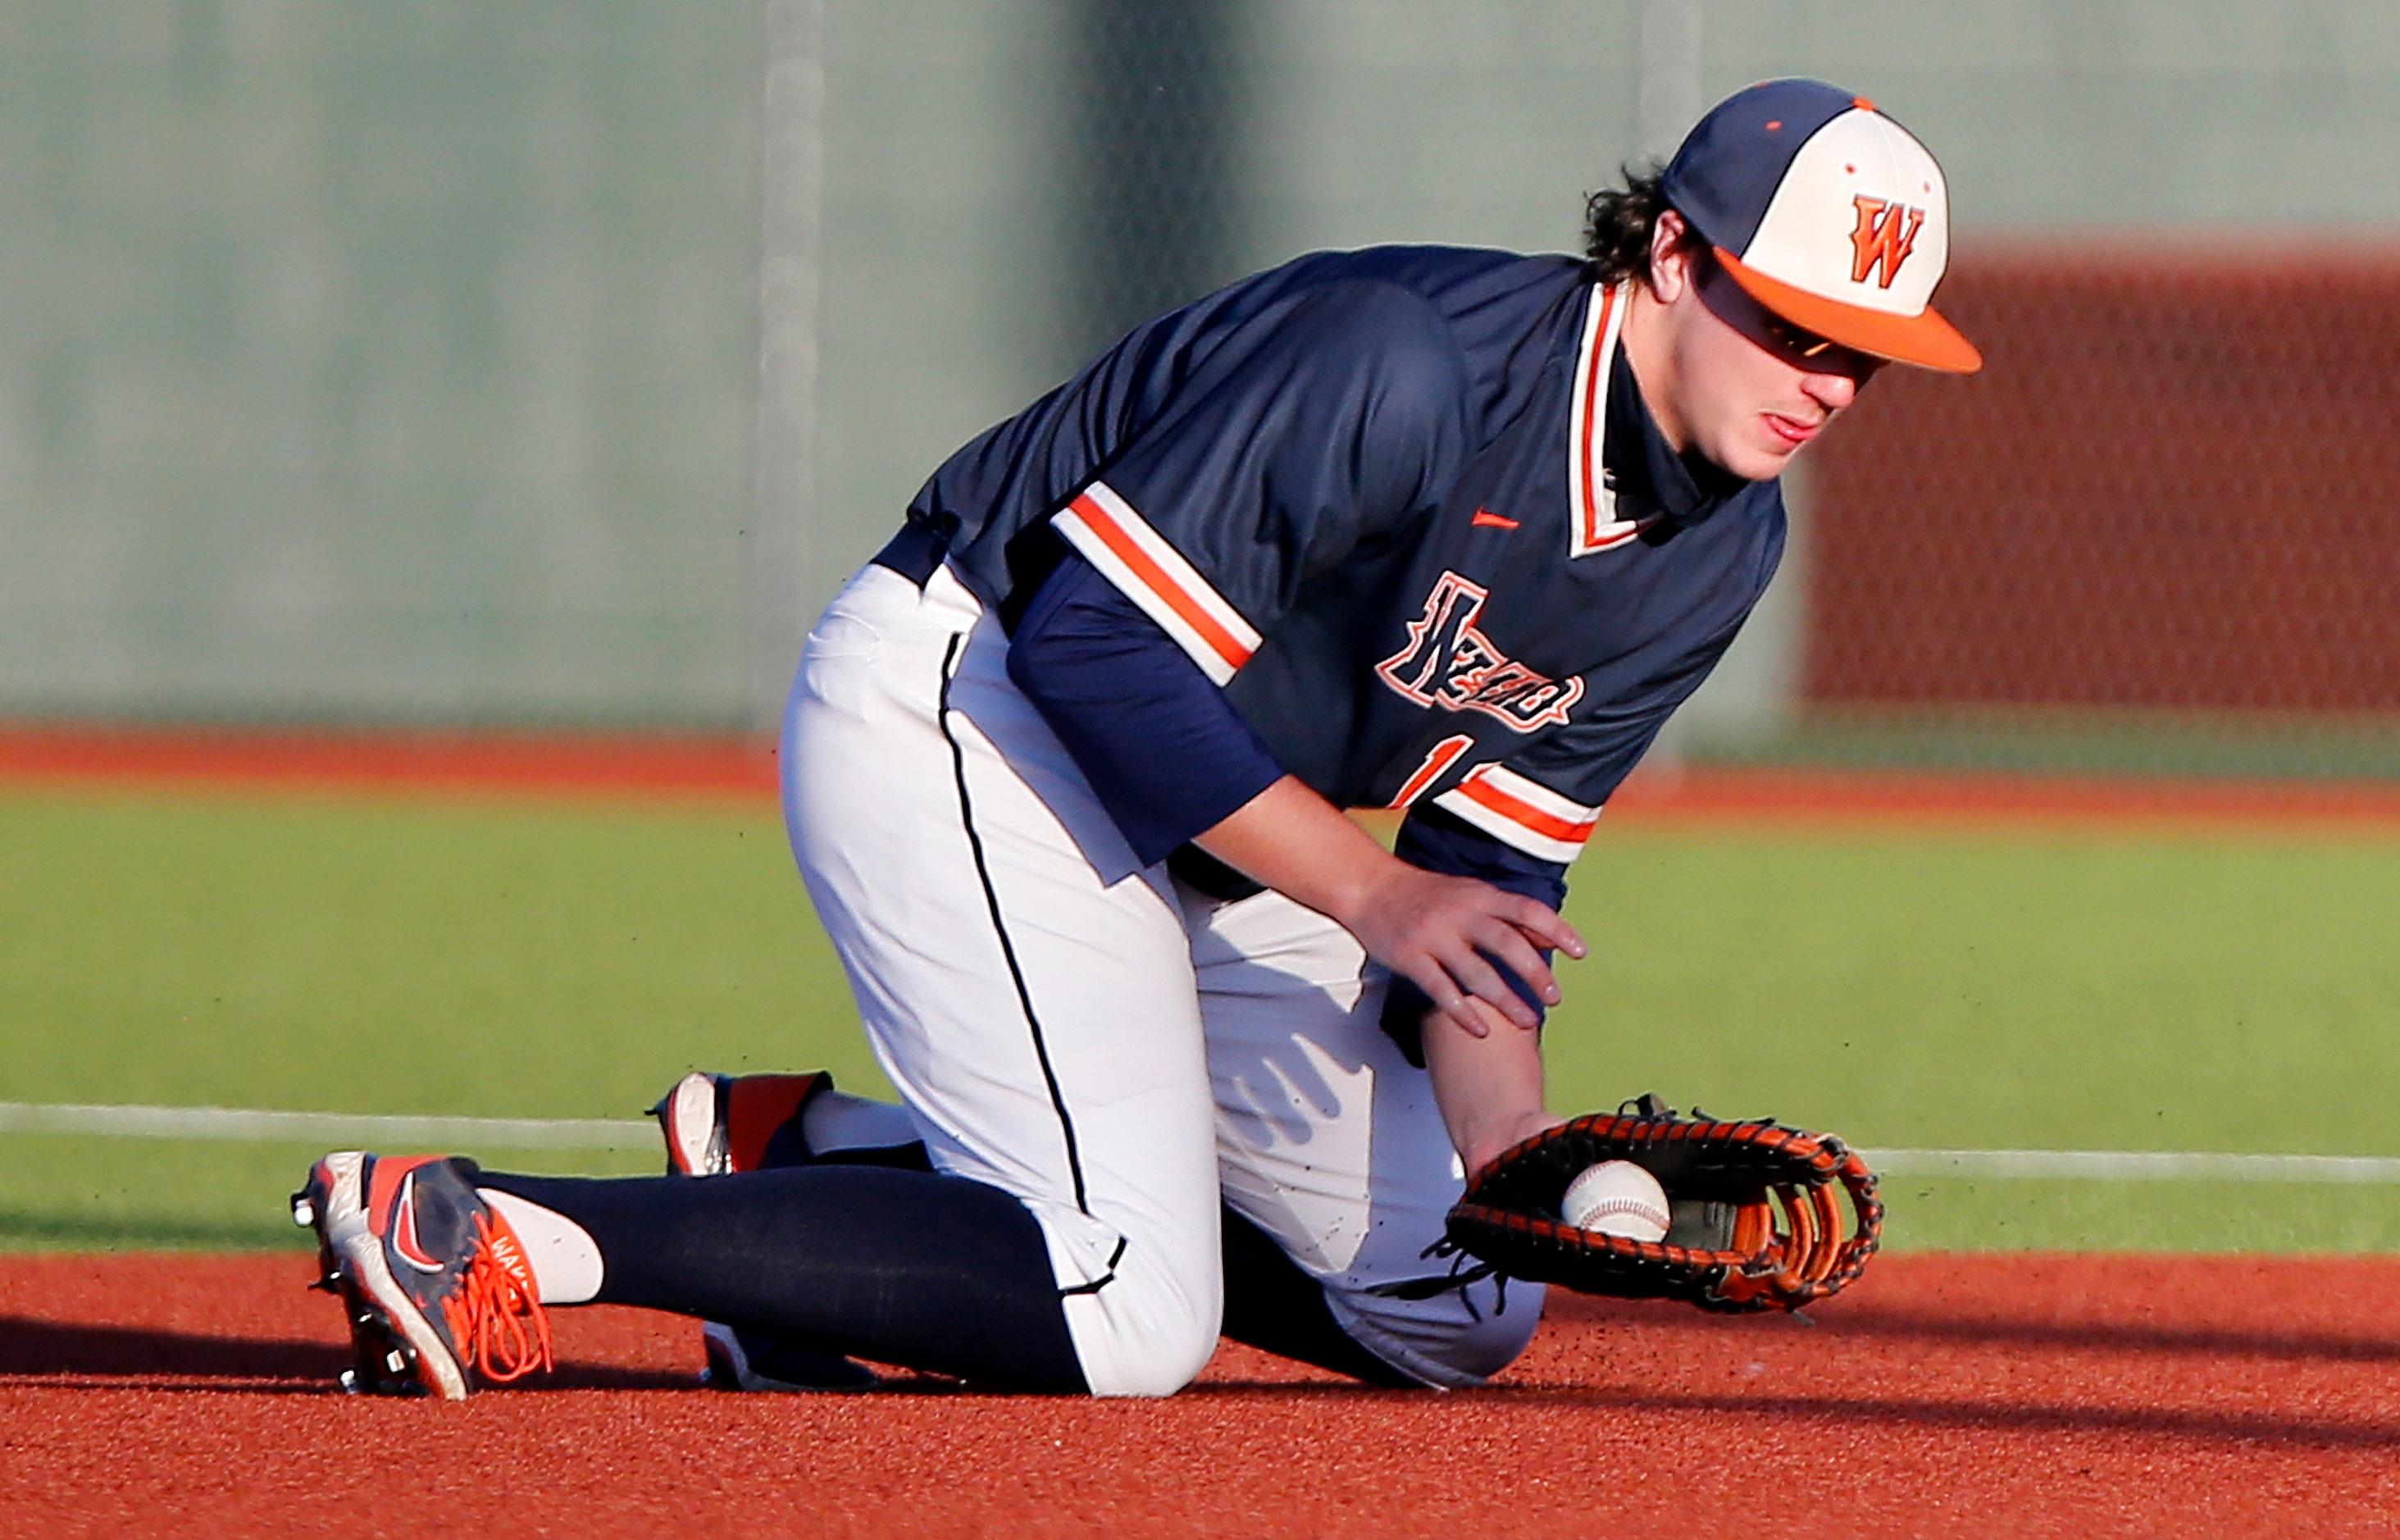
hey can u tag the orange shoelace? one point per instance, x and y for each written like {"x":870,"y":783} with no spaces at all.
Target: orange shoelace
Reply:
{"x":497,"y":1315}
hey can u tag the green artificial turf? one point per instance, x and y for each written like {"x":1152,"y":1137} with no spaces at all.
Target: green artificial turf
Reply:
{"x":105,"y":1194}
{"x":2154,"y":992}
{"x":494,"y":959}
{"x":524,"y":959}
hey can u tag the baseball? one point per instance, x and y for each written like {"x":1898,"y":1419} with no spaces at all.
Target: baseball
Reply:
{"x":1616,"y":1197}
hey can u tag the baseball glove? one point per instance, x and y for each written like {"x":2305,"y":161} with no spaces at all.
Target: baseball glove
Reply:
{"x":1758,"y":1222}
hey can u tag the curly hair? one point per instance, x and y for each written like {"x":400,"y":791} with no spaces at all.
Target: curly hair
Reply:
{"x":1619,"y":222}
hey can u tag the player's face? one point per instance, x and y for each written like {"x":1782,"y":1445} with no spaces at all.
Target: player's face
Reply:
{"x":1746,"y":388}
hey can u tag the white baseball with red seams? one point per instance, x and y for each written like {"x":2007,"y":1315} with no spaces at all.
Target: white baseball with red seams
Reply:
{"x":1616,"y":1197}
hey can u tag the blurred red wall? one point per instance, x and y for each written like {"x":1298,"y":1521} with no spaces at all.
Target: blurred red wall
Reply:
{"x":2175,"y":483}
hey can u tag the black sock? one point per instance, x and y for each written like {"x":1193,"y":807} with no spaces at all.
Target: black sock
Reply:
{"x":1270,"y":1301}
{"x":905,"y":1267}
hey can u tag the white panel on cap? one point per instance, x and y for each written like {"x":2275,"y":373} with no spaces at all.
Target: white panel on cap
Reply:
{"x":1805,"y":238}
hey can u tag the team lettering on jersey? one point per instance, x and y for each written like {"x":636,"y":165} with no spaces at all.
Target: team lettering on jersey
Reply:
{"x":1448,"y":662}
{"x":1885,"y":234}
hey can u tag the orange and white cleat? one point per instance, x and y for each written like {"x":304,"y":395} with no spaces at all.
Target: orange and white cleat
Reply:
{"x":716,"y":1125}
{"x":440,"y":1295}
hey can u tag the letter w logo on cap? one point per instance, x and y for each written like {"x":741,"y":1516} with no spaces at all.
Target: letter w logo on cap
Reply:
{"x":1886,"y":233}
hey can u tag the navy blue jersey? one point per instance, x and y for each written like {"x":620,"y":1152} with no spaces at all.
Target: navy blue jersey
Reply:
{"x":1405,"y":508}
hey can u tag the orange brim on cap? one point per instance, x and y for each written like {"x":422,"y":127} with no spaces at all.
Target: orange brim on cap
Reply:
{"x":1924,"y":339}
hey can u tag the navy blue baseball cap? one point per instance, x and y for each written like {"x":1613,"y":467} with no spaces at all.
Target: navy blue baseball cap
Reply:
{"x":1827,"y":212}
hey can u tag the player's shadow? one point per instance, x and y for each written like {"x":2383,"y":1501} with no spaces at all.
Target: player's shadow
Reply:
{"x":1281,"y":1081}
{"x":2124,"y":1337}
{"x":118,"y":1358}
{"x":2240,"y":1429}
{"x":1840,"y":1320}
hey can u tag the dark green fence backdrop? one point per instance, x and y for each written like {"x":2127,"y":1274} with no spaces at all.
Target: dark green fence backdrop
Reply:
{"x":398,"y":362}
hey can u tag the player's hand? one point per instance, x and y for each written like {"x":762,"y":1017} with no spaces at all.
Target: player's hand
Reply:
{"x":1445,"y":933}
{"x":1475,"y":1017}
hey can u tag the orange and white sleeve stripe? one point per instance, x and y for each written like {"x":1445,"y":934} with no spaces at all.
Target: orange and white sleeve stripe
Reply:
{"x":1521,"y":812}
{"x":1105,"y":531}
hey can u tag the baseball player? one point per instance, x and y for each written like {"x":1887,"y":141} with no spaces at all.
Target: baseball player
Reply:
{"x":1179,"y":1047}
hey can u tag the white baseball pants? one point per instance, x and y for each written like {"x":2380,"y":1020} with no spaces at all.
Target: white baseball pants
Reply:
{"x":1111,"y":1047}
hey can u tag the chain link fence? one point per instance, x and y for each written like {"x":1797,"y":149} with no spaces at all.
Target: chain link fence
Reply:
{"x":402,"y":362}
{"x":2157,"y":532}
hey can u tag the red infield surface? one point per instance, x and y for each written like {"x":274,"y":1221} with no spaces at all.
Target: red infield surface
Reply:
{"x":2006,"y":1394}
{"x":460,"y":764}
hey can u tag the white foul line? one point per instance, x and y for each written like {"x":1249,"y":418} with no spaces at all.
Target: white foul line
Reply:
{"x":2134,"y":1165}
{"x":325,"y":1128}
{"x":342,"y":1129}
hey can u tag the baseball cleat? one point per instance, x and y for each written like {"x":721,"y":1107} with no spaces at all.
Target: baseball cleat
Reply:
{"x":436,"y":1286}
{"x":714,"y":1125}
{"x":690,"y":1122}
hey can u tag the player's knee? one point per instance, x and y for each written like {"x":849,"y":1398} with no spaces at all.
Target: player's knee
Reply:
{"x":1146,"y":1335}
{"x":1143,"y":1299}
{"x":1487,"y":1347}
{"x":1159,"y":1366}
{"x":1455,"y":1341}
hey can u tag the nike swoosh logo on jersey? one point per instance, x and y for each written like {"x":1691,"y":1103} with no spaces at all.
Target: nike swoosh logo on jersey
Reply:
{"x":404,"y":1230}
{"x":1485,"y":519}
